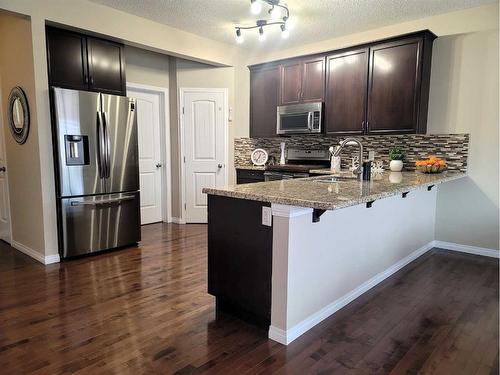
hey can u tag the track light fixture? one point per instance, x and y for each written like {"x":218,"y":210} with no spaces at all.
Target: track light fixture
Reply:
{"x":284,"y":32}
{"x":239,"y":37}
{"x":279,"y":16}
{"x":262,"y":37}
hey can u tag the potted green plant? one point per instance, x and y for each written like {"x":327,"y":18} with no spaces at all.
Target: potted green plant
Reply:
{"x":397,"y":156}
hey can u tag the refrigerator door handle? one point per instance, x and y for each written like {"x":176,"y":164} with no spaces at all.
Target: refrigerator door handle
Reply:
{"x":107,"y":145}
{"x":103,"y":201}
{"x":101,"y":157}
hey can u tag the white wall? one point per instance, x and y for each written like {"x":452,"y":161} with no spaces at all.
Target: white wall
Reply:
{"x":464,"y":99}
{"x":318,"y":267}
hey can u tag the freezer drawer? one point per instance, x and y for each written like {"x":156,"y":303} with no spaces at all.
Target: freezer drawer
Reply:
{"x":101,"y":222}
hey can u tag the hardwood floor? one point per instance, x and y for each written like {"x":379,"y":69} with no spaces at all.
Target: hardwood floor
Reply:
{"x":145,"y":310}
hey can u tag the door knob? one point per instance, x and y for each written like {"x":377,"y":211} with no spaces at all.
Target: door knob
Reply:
{"x":158,"y":165}
{"x":3,"y":169}
{"x":219,"y":166}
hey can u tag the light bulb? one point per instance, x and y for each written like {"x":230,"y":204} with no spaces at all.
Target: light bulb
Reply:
{"x":239,"y":37}
{"x":284,"y":32}
{"x":275,"y":13}
{"x":255,"y":7}
{"x":262,"y":37}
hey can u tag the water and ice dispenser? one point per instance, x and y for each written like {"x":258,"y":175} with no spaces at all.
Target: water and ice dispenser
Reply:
{"x":77,"y":149}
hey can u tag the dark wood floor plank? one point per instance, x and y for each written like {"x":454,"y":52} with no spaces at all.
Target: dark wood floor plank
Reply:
{"x":145,"y":310}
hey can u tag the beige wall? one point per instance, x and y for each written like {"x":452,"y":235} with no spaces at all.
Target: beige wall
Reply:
{"x":23,"y":166}
{"x":464,"y":99}
{"x":146,"y":67}
{"x":104,"y":21}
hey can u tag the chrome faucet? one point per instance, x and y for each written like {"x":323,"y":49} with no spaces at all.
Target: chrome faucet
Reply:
{"x":352,"y":141}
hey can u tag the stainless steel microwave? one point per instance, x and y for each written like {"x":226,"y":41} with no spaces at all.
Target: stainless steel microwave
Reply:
{"x":300,"y":118}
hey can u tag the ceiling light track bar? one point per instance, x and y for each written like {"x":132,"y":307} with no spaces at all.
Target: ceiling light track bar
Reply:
{"x":277,"y":19}
{"x":257,"y":25}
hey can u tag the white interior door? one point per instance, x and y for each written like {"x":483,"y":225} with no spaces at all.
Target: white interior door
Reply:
{"x":5,"y":230}
{"x":204,"y":149}
{"x":150,"y":160}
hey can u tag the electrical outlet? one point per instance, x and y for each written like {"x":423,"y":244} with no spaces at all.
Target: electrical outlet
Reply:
{"x":267,"y":216}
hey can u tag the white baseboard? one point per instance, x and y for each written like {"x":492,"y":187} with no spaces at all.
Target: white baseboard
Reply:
{"x":286,"y":337}
{"x":476,"y":250}
{"x":49,"y":259}
{"x":178,"y":220}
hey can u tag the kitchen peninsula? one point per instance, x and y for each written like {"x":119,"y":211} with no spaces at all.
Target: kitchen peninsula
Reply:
{"x":287,"y":254}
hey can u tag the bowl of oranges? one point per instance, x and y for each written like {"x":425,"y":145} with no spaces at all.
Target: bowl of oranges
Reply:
{"x":431,"y":165}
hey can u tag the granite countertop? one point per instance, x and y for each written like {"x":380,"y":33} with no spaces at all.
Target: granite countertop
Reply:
{"x":308,"y":192}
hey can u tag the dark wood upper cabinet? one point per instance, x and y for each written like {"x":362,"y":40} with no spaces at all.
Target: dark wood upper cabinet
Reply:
{"x":394,"y":86}
{"x":375,"y":88}
{"x":264,"y":83}
{"x":302,"y":81}
{"x":82,"y":62}
{"x":67,"y":59}
{"x":313,"y":80}
{"x":106,"y":66}
{"x":346,"y":91}
{"x":290,"y":83}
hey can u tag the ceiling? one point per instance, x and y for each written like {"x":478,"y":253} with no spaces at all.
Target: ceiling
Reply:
{"x":312,"y":20}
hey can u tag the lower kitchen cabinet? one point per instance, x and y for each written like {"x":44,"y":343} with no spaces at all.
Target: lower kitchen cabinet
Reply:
{"x":240,"y":248}
{"x":246,"y":176}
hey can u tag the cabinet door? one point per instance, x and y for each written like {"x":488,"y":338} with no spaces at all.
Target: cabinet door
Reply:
{"x":394,"y":86}
{"x":313,"y":80}
{"x":263,"y":101}
{"x":346,"y":91}
{"x":106,"y":66}
{"x":291,"y":82}
{"x":67,"y":59}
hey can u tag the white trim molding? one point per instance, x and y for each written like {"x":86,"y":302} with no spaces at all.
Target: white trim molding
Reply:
{"x":286,"y":337}
{"x":476,"y":250}
{"x":166,"y":176}
{"x":178,"y":220}
{"x":49,"y":259}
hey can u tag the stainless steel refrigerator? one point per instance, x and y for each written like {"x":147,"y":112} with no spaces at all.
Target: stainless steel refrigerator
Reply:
{"x":97,"y":171}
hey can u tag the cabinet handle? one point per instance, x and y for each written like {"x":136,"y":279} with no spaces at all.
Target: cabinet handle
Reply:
{"x":363,"y":126}
{"x":91,"y":80}
{"x":86,"y":78}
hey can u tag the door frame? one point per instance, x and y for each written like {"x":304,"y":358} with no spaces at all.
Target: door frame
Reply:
{"x":166,"y":174}
{"x":6,"y":173}
{"x":225,"y":123}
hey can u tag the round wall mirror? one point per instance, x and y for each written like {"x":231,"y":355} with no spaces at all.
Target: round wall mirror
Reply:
{"x":19,"y":115}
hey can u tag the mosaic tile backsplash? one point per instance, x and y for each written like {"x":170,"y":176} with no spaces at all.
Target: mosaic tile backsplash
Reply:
{"x":453,"y":148}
